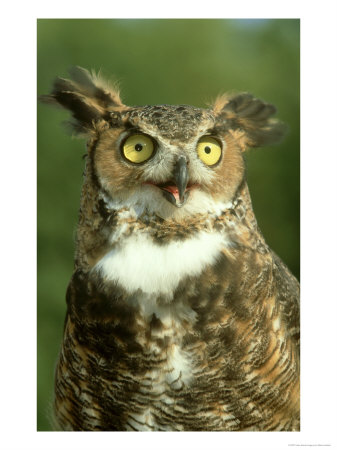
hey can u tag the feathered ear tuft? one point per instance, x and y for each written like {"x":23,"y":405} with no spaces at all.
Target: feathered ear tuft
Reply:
{"x":87,"y":96}
{"x":251,"y":116}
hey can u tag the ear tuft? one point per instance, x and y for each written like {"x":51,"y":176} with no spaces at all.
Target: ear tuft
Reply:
{"x":87,"y":96}
{"x":250,"y":115}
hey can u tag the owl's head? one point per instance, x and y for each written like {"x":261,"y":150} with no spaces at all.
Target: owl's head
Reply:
{"x":173,"y":161}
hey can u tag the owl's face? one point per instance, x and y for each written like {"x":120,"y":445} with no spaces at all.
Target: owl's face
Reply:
{"x":172,"y":161}
{"x":169,"y":160}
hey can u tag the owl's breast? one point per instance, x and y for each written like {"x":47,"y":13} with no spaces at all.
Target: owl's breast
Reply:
{"x":139,"y":263}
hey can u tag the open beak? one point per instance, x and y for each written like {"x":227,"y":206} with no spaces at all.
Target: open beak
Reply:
{"x":177,"y":192}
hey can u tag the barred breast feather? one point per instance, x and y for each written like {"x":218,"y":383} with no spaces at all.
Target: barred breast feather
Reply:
{"x":210,"y":346}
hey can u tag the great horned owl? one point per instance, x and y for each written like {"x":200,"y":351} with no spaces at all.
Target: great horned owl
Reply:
{"x":179,"y":316}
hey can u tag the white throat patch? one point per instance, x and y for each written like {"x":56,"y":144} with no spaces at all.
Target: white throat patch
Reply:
{"x":141,"y":264}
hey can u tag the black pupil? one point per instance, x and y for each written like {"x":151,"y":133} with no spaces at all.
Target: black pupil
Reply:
{"x":207,"y":149}
{"x":138,"y":147}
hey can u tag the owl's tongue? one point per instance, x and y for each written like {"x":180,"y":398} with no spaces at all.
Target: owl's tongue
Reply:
{"x":174,"y":191}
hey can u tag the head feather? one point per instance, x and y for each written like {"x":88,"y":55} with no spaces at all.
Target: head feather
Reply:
{"x":251,"y":116}
{"x":87,"y":96}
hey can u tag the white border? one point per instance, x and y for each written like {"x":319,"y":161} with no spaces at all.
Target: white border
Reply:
{"x":318,"y":215}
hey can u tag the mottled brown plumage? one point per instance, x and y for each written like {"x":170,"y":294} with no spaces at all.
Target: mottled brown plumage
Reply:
{"x":180,"y":317}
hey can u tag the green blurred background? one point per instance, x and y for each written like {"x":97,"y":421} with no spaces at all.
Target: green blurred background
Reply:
{"x":159,"y":61}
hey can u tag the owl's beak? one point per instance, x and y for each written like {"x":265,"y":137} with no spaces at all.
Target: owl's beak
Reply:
{"x":180,"y":175}
{"x":177,"y":194}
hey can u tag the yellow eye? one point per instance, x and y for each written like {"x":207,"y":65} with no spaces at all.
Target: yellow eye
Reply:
{"x":138,"y":148}
{"x":209,"y":150}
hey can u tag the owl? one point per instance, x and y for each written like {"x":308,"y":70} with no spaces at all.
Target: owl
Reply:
{"x":179,"y":315}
